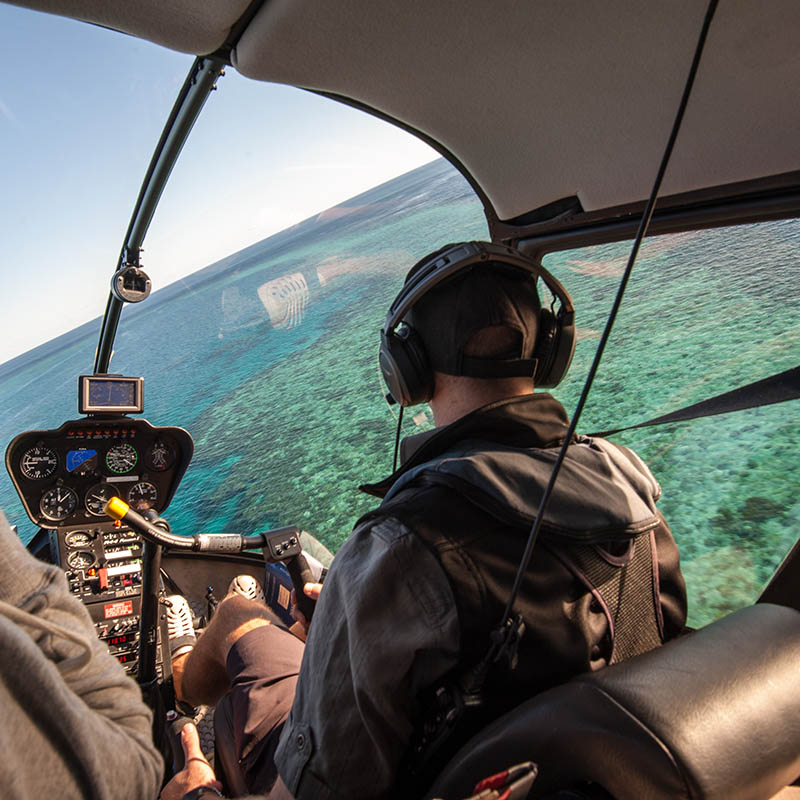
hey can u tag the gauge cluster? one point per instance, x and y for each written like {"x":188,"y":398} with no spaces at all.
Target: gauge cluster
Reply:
{"x":65,"y":477}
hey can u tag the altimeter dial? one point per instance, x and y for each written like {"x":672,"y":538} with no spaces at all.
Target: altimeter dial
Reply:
{"x":58,"y":503}
{"x":122,"y":458}
{"x":97,"y":497}
{"x":38,"y":462}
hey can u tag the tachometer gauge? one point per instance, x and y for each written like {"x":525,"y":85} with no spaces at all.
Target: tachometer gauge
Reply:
{"x":142,"y":495}
{"x":80,"y":559}
{"x":58,"y":503}
{"x":38,"y":462}
{"x":160,"y":456}
{"x":122,"y":458}
{"x":77,"y":539}
{"x":97,"y":497}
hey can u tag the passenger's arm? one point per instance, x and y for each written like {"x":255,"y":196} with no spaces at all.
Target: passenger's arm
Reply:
{"x":384,"y":628}
{"x":74,"y":724}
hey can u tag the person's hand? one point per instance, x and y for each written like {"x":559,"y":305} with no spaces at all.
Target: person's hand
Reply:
{"x":301,"y":625}
{"x":196,"y":771}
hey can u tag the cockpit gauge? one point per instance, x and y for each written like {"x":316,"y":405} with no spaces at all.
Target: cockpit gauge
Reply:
{"x":160,"y":456}
{"x":121,"y":458}
{"x":80,"y":559}
{"x":82,"y":461}
{"x":58,"y":503}
{"x":142,"y":495}
{"x":38,"y":462}
{"x":97,"y":497}
{"x":77,"y":539}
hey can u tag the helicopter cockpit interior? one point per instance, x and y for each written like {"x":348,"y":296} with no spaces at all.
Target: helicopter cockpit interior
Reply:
{"x":641,"y":127}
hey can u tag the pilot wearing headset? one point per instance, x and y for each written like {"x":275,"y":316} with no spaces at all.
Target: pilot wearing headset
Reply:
{"x":401,"y":632}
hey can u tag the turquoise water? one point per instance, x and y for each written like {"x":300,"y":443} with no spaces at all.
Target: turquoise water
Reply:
{"x":269,"y":359}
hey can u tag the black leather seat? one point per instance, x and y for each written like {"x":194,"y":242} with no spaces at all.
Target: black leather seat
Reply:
{"x":714,"y":714}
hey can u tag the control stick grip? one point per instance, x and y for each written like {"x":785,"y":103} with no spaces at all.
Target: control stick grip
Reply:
{"x":301,"y":575}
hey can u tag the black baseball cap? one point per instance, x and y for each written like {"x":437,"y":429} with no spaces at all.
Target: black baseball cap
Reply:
{"x":486,"y":294}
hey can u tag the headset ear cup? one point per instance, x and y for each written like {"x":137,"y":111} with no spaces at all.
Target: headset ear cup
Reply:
{"x":404,"y":365}
{"x":555,"y":346}
{"x":545,"y":346}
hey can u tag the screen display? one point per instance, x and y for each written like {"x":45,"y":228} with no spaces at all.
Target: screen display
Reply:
{"x":113,"y":393}
{"x":81,"y":460}
{"x":99,"y":394}
{"x":124,"y":638}
{"x":124,"y":658}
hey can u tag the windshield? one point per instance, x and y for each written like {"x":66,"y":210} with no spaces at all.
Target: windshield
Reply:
{"x":284,"y":233}
{"x":271,"y":265}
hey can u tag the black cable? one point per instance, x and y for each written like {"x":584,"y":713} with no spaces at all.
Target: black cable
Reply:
{"x":397,"y":439}
{"x":643,"y":225}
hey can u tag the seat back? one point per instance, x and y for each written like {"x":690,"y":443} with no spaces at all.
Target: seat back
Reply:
{"x":713,"y":714}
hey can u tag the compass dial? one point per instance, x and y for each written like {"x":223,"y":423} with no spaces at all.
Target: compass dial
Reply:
{"x":97,"y":497}
{"x":143,"y":495}
{"x":58,"y":503}
{"x":38,"y":462}
{"x":122,"y":458}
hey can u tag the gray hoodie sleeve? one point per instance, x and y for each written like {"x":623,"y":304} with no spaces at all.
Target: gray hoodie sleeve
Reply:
{"x":73,"y":723}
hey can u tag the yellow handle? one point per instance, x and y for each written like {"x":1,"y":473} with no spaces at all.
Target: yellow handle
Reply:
{"x":116,"y":508}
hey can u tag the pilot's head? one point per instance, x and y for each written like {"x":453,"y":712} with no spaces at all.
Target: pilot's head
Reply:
{"x":469,"y":319}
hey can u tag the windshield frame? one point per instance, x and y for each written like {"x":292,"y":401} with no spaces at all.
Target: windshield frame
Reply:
{"x":198,"y":85}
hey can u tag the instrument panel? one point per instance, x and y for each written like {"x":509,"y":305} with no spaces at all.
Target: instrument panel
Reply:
{"x":65,"y":477}
{"x":103,"y":565}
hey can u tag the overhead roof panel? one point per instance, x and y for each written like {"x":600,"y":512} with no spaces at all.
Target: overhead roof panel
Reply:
{"x":185,"y":25}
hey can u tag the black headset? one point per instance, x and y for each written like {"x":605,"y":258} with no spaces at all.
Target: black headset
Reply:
{"x":403,"y":361}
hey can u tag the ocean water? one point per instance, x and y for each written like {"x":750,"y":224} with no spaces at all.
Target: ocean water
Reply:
{"x":269,"y":359}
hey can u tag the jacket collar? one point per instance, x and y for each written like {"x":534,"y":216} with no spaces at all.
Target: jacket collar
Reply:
{"x":533,"y":420}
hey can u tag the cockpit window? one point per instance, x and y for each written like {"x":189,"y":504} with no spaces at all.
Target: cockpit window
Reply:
{"x":271,"y":276}
{"x":705,"y":313}
{"x":269,"y":359}
{"x":81,"y":109}
{"x":80,"y":112}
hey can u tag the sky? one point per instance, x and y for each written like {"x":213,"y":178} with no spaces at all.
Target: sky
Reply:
{"x":81,"y":110}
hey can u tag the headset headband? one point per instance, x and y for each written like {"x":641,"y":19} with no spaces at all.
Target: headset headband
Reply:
{"x":460,"y":257}
{"x":403,"y":358}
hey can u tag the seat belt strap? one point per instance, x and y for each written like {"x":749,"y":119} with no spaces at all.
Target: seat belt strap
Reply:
{"x":775,"y":389}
